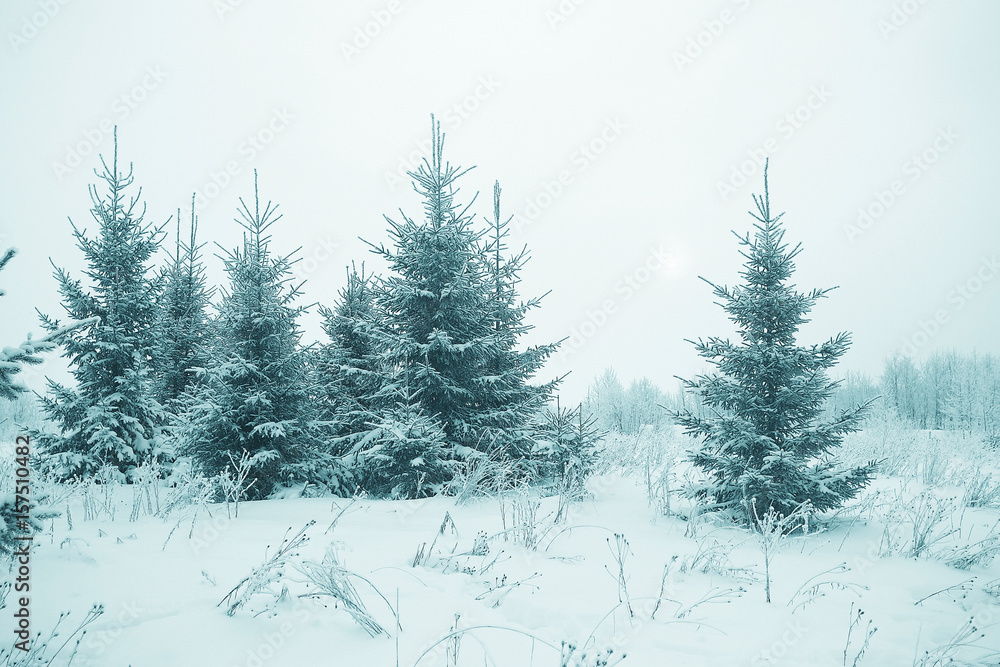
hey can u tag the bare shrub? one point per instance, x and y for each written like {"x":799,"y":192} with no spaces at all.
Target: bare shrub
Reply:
{"x":331,"y":579}
{"x":265,"y":575}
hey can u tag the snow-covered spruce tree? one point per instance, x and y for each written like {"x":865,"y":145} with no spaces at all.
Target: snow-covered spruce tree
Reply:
{"x":110,"y":417}
{"x":507,"y":403}
{"x":182,"y":322}
{"x":14,"y":359}
{"x":361,"y":410}
{"x":433,"y":302}
{"x":386,"y":446}
{"x":255,"y":396}
{"x":764,"y":443}
{"x":566,"y":445}
{"x":349,"y":375}
{"x":450,"y":321}
{"x":402,"y":453}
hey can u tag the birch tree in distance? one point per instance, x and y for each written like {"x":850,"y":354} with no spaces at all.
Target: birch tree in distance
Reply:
{"x":764,"y":442}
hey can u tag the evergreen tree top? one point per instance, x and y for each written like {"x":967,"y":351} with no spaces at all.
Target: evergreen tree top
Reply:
{"x":434,"y":180}
{"x":185,"y":262}
{"x":252,"y":264}
{"x":767,"y":310}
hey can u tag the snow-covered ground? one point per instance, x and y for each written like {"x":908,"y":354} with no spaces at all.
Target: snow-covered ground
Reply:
{"x":501,"y":581}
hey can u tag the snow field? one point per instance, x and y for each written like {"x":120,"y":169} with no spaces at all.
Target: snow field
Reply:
{"x":695,"y":588}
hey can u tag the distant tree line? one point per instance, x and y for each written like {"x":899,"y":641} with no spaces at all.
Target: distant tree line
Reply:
{"x":946,"y":390}
{"x":629,"y":409}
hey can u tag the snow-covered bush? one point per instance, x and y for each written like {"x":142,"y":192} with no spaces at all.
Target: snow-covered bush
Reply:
{"x":981,"y":487}
{"x":524,"y":521}
{"x":884,"y":438}
{"x":711,"y":556}
{"x":145,"y":481}
{"x":916,"y":524}
{"x":330,"y":578}
{"x":476,"y":474}
{"x":403,"y":456}
{"x":652,"y":453}
{"x":772,"y":529}
{"x":566,"y":447}
{"x":186,"y":489}
{"x":99,"y":493}
{"x":928,"y":524}
{"x":265,"y":578}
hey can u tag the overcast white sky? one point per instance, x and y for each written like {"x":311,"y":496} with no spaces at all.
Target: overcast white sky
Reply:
{"x":642,"y":109}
